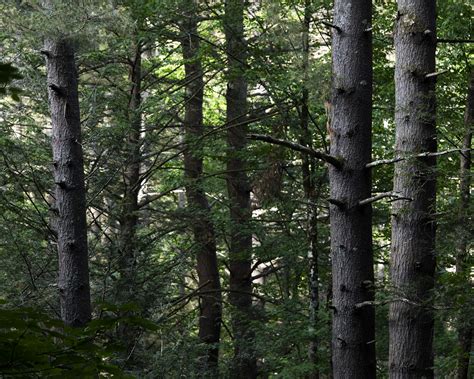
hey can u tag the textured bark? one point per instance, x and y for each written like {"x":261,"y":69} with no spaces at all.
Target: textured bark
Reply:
{"x":462,"y":257}
{"x":203,"y":228}
{"x":68,"y":169}
{"x":353,"y":345}
{"x":413,"y":222}
{"x":240,"y":252}
{"x":308,"y":171}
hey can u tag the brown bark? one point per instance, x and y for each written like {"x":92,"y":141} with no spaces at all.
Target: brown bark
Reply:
{"x":353,"y":334}
{"x":413,"y":222}
{"x":203,"y":228}
{"x":240,"y":252}
{"x":462,"y":257}
{"x":68,"y":170}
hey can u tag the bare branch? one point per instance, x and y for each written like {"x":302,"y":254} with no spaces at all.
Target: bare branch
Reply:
{"x":421,"y":155}
{"x":297,"y":147}
{"x":392,"y":195}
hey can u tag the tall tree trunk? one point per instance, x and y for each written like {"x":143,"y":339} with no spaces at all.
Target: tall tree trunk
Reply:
{"x":308,"y":171}
{"x":413,"y":222}
{"x":129,"y":206}
{"x":131,"y":182}
{"x":238,"y":187}
{"x":203,"y":228}
{"x":462,"y":257}
{"x":351,"y":235}
{"x":68,"y":169}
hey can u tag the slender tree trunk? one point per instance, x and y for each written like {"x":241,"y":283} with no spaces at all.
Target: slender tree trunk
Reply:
{"x":68,"y":169}
{"x":129,"y":206}
{"x":413,"y":222}
{"x":131,"y":183}
{"x":351,"y":235}
{"x":238,"y":187}
{"x":309,"y":191}
{"x":203,"y":228}
{"x":462,"y":258}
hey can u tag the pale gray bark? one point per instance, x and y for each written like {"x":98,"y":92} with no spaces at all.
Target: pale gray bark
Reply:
{"x":68,"y":170}
{"x":353,"y":345}
{"x":413,"y":222}
{"x":238,"y":187}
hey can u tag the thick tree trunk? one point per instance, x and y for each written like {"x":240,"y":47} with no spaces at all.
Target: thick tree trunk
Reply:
{"x":203,"y":228}
{"x":353,"y":345}
{"x":462,"y":257}
{"x":413,"y":222}
{"x":240,"y":254}
{"x":308,"y":171}
{"x":68,"y":169}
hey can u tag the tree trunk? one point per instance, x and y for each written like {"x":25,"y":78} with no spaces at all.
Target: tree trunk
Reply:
{"x":240,"y":253}
{"x":203,"y":228}
{"x":131,"y":183}
{"x":413,"y":222}
{"x":68,"y":169}
{"x":129,"y":206}
{"x":353,"y":331}
{"x":462,"y":258}
{"x":308,"y":171}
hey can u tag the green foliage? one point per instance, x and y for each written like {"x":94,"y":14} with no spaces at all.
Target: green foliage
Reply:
{"x":34,"y":345}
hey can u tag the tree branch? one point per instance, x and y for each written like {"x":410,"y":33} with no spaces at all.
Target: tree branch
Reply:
{"x":392,"y":195}
{"x":297,"y":147}
{"x":421,"y":155}
{"x":447,"y":40}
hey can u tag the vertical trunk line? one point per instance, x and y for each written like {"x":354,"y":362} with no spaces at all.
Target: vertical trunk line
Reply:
{"x":413,"y":222}
{"x":308,"y":171}
{"x":203,"y":228}
{"x":238,"y":187}
{"x":129,"y":217}
{"x":68,"y":169}
{"x":353,"y":333}
{"x":462,"y":257}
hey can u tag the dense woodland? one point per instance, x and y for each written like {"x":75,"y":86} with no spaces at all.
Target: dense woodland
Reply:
{"x":236,"y":189}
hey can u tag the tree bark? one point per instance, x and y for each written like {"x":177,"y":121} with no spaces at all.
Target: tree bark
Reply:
{"x":413,"y":222}
{"x":203,"y":228}
{"x":353,"y":334}
{"x":462,"y":257}
{"x":68,"y":170}
{"x":238,"y":187}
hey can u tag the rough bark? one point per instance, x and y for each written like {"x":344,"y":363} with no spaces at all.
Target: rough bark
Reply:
{"x":413,"y":222}
{"x":308,"y":171}
{"x":353,"y":345}
{"x":203,"y":228}
{"x":240,"y":251}
{"x":68,"y":170}
{"x":462,"y":256}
